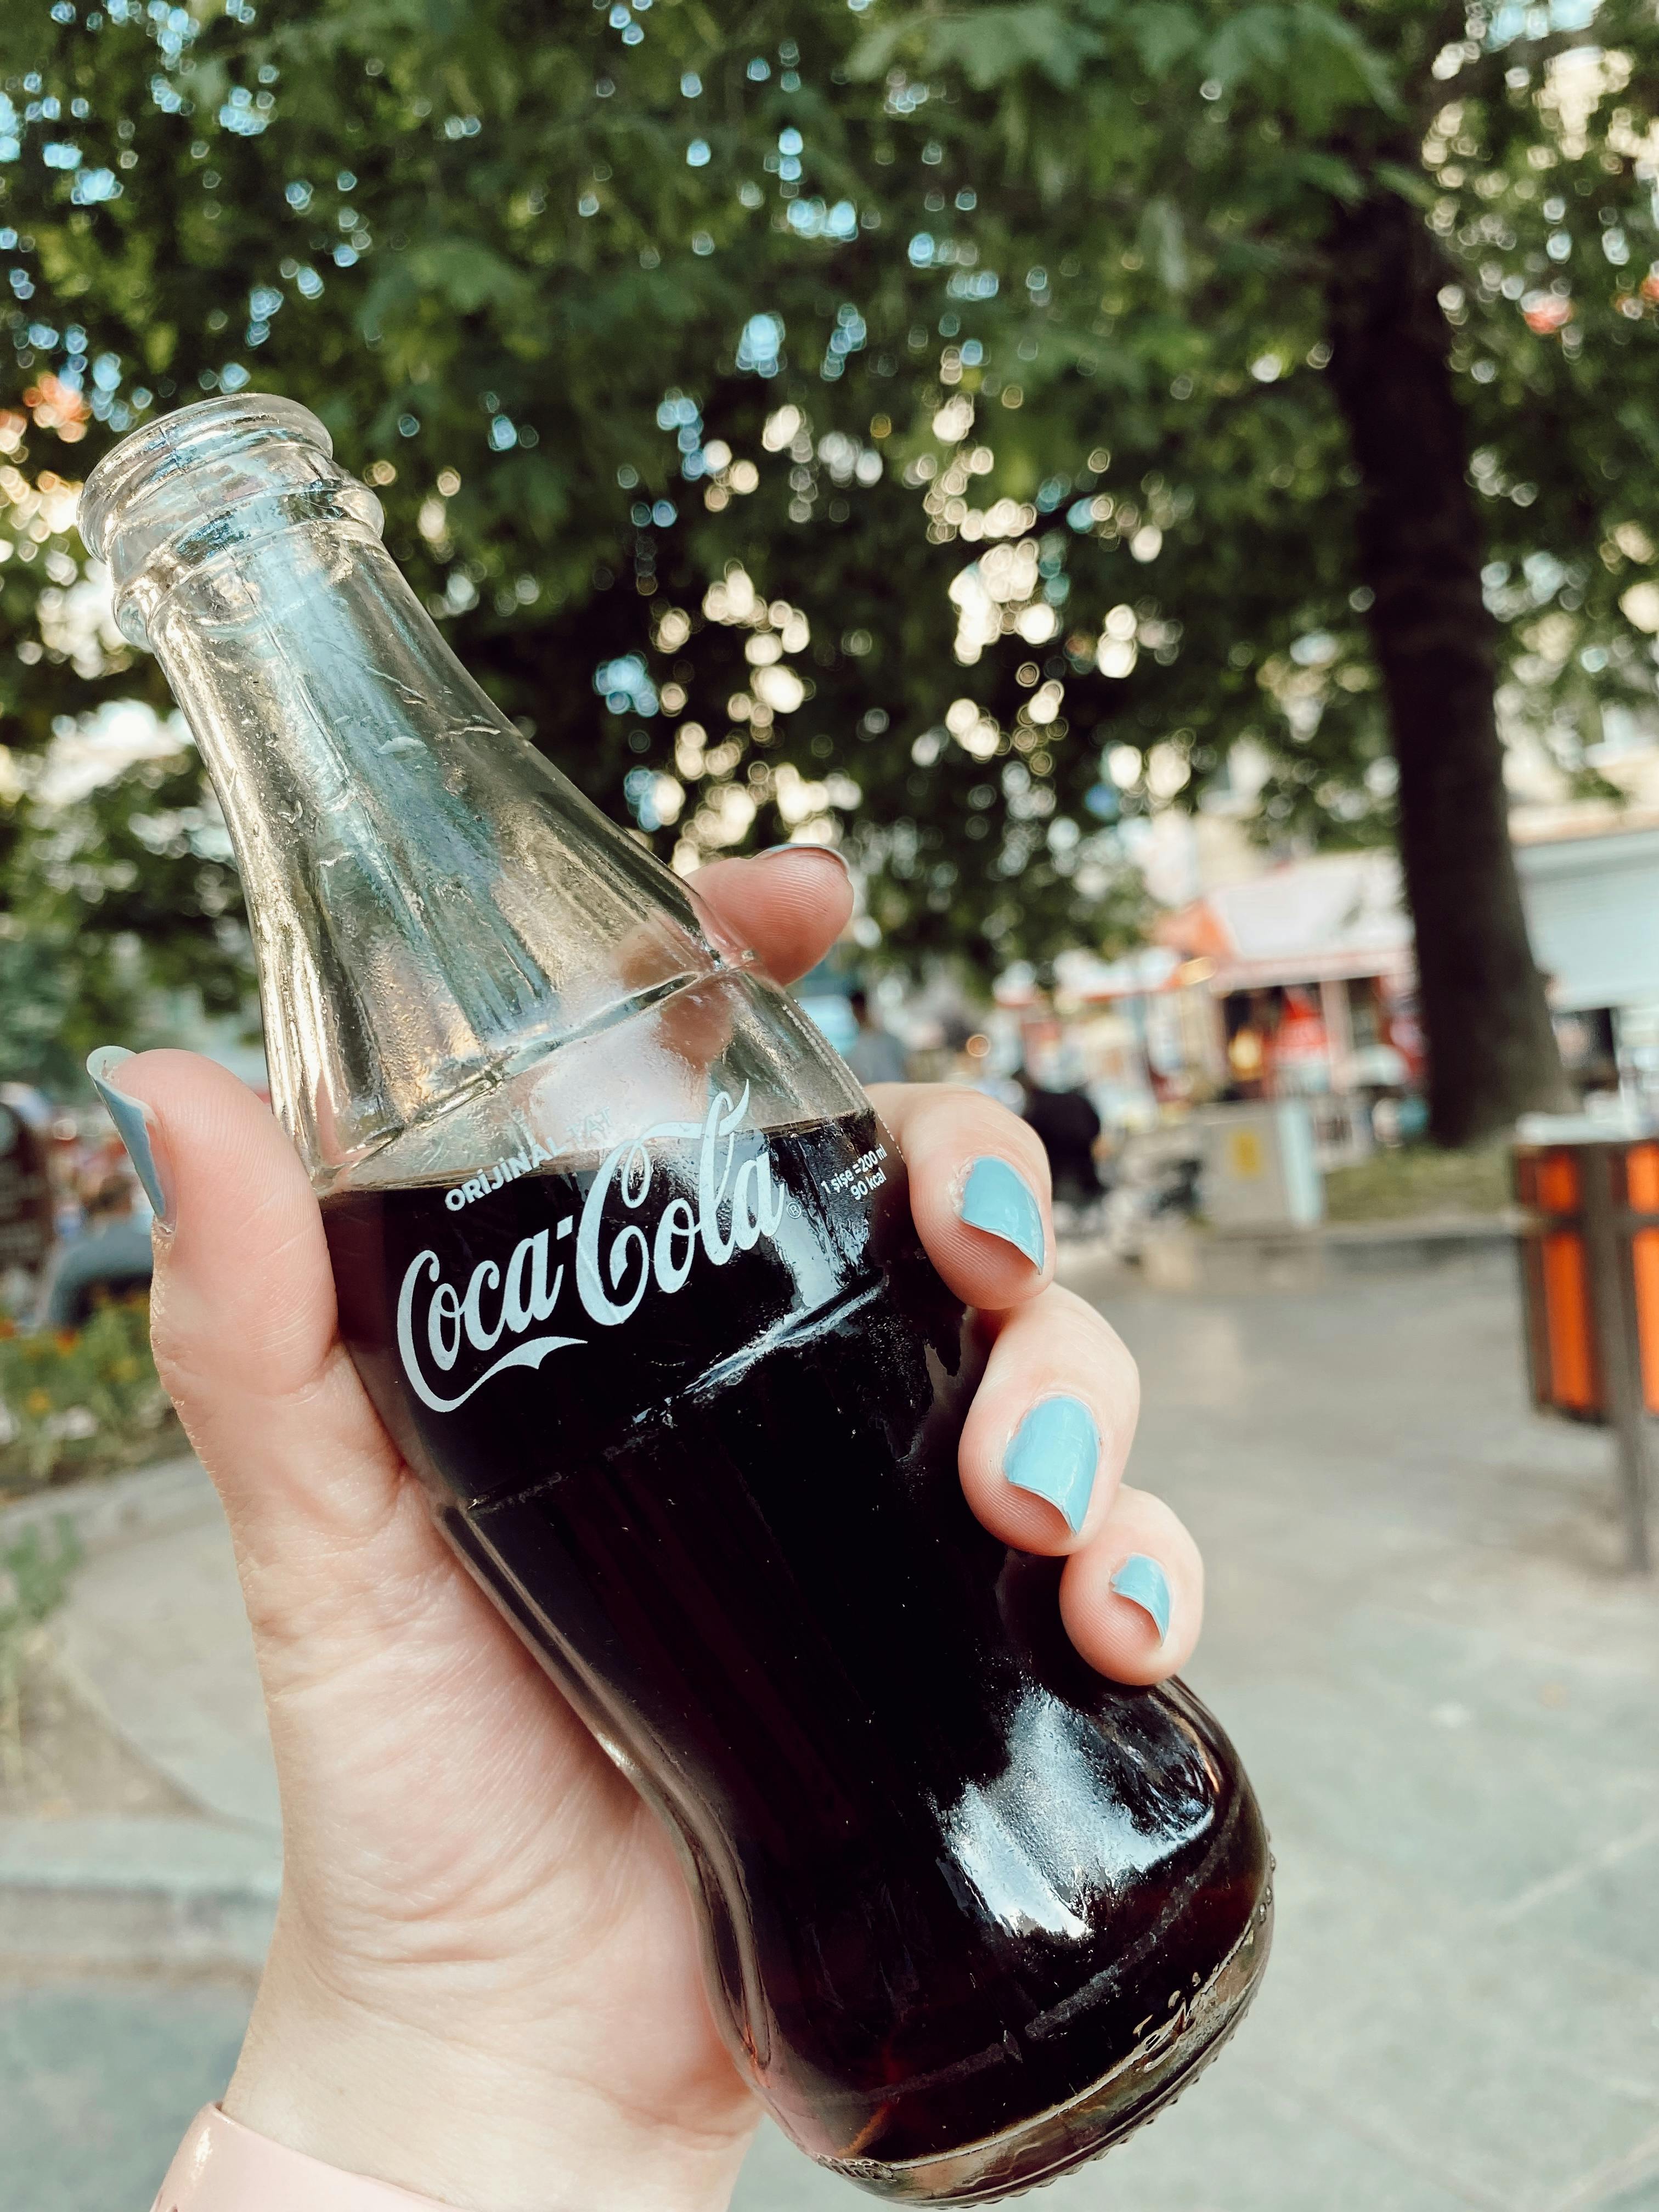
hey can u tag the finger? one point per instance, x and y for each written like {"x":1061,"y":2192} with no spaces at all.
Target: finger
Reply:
{"x":1133,"y":1597}
{"x":242,"y":1316}
{"x":1048,"y":1433}
{"x":979,"y":1191}
{"x":787,"y":906}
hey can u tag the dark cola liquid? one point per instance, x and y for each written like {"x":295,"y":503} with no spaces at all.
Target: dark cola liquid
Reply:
{"x":955,"y":1882}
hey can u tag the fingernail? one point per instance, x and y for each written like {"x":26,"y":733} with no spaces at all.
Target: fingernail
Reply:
{"x":998,"y":1200}
{"x":135,"y":1123}
{"x":1054,"y":1454}
{"x":1144,"y":1583}
{"x":829,"y":853}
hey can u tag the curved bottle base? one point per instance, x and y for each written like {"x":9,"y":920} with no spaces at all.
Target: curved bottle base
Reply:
{"x":1100,"y":2116}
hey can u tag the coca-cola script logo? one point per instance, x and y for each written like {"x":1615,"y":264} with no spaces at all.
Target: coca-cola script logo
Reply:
{"x":615,"y":1266}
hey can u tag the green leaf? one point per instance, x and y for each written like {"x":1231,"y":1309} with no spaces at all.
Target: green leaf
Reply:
{"x":1329,"y":173}
{"x":1410,"y":184}
{"x":463,"y":273}
{"x":991,"y":45}
{"x":1253,"y":41}
{"x":1163,"y":34}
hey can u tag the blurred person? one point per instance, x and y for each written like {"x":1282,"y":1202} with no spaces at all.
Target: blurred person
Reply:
{"x":110,"y":1258}
{"x":976,"y":1066}
{"x":1380,"y":1079}
{"x":1069,"y":1127}
{"x":875,"y":1055}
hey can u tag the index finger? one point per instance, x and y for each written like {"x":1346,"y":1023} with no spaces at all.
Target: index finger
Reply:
{"x":979,"y":1191}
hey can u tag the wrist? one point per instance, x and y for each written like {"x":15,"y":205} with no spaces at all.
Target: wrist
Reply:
{"x":222,"y":2166}
{"x":467,"y":2145}
{"x":495,"y":2125}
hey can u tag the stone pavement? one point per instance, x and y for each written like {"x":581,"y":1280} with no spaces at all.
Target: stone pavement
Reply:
{"x":153,"y":1643}
{"x":1446,"y":1692}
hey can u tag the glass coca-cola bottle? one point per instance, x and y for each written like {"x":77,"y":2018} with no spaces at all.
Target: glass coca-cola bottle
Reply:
{"x":627,"y":1265}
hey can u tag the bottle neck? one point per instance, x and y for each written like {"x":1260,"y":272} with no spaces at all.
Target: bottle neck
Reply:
{"x":432,"y":904}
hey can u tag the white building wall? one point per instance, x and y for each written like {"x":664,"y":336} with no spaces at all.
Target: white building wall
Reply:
{"x":1593,"y":909}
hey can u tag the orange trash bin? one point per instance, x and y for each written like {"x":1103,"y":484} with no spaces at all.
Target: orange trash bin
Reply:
{"x":1589,"y":1273}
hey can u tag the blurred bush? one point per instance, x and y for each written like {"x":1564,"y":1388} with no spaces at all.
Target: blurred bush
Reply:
{"x":34,"y":1579}
{"x":1417,"y":1181}
{"x":80,"y":1400}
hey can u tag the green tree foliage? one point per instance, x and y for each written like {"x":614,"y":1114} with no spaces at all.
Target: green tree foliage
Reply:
{"x":701,"y":363}
{"x":115,"y":902}
{"x":495,"y":258}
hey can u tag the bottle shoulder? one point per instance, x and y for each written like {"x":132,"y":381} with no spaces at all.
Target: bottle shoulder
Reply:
{"x":649,"y":1059}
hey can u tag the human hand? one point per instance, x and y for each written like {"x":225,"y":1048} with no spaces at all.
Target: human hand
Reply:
{"x":484,"y":1981}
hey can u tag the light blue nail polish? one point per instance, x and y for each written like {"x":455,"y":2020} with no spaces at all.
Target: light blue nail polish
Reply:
{"x":132,"y":1118}
{"x":1144,"y":1583}
{"x":1054,"y":1454}
{"x":1000,"y":1201}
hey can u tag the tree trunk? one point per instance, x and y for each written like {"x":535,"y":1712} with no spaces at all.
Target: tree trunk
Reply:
{"x":1491,"y":1050}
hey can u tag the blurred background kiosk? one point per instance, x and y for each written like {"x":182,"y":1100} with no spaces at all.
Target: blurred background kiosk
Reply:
{"x":1260,"y":1168}
{"x":1589,"y":1272}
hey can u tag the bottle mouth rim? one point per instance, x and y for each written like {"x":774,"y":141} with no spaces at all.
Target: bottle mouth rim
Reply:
{"x":164,"y":449}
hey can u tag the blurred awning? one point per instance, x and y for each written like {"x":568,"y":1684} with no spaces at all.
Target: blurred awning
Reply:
{"x":1336,"y":916}
{"x":1085,"y":976}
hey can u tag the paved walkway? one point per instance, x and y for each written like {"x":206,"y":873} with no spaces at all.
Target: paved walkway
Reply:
{"x":1448,"y":1695}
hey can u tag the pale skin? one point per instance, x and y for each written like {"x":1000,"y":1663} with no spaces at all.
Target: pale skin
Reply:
{"x":484,"y":1984}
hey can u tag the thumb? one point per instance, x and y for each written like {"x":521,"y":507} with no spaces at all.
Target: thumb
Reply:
{"x":242,"y":1314}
